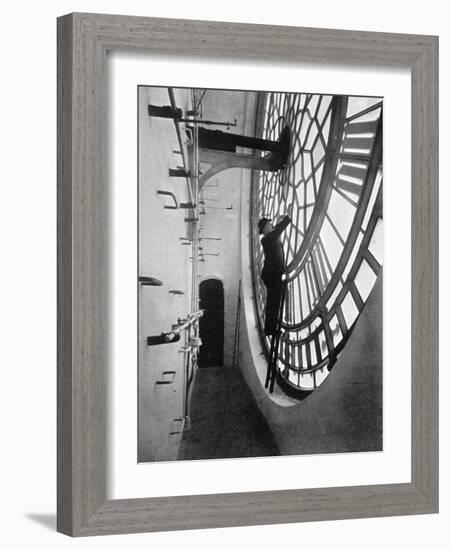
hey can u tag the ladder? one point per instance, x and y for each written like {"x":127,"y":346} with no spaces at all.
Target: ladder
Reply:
{"x":235,"y":362}
{"x":275,"y":344}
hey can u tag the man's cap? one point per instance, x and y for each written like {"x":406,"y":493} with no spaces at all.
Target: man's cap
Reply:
{"x":262,"y":222}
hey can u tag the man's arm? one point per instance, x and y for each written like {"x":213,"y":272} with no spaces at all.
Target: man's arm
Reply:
{"x":280,"y":227}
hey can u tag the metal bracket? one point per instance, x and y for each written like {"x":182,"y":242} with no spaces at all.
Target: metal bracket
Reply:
{"x":172,"y":196}
{"x":149,"y":281}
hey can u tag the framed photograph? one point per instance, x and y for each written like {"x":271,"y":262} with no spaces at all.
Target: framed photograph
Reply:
{"x":247,"y":274}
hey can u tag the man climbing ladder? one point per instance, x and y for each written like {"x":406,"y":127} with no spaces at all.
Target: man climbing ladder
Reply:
{"x":272,"y":276}
{"x":273,"y":268}
{"x":275,"y":342}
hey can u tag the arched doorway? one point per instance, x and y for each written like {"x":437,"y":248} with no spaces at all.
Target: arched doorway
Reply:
{"x":212,"y":323}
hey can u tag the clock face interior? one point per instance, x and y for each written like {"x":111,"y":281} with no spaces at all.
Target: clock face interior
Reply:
{"x":332,"y":190}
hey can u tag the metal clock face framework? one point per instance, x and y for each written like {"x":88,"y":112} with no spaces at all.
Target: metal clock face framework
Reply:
{"x":332,"y":186}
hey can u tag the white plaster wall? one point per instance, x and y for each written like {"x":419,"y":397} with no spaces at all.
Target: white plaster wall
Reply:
{"x":161,"y":255}
{"x":226,"y":224}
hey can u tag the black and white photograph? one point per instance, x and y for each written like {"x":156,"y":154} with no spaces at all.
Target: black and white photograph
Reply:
{"x":224,"y":232}
{"x":260,"y":293}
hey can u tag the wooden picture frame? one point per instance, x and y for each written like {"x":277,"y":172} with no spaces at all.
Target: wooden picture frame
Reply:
{"x":83,"y":41}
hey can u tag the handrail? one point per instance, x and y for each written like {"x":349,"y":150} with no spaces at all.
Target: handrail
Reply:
{"x":186,"y":323}
{"x":174,"y":334}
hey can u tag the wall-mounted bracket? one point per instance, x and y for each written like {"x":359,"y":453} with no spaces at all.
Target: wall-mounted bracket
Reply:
{"x":178,"y":173}
{"x":149,"y":281}
{"x":172,"y":196}
{"x":163,"y":338}
{"x":165,"y":111}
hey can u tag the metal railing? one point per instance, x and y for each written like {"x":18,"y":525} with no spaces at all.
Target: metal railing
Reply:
{"x":174,"y":334}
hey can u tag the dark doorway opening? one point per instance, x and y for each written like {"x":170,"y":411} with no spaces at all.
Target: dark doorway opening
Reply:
{"x":211,"y":324}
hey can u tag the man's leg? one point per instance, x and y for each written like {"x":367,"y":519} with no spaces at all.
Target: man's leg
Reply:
{"x":272,"y":307}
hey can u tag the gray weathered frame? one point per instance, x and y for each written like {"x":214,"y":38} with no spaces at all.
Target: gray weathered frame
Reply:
{"x":83,"y":40}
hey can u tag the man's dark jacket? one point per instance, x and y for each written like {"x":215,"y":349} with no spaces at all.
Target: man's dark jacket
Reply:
{"x":273,"y":253}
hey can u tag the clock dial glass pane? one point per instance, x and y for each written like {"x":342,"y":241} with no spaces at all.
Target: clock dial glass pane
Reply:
{"x":332,"y":189}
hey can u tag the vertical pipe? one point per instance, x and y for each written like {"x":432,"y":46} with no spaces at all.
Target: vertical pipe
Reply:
{"x":196,"y":213}
{"x":194,"y":329}
{"x":195,"y":225}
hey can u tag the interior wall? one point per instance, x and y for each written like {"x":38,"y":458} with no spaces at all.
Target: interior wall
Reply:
{"x":161,"y":255}
{"x":219,"y":220}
